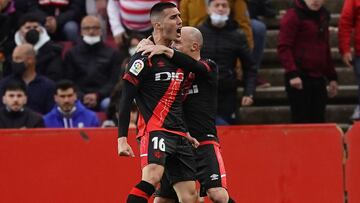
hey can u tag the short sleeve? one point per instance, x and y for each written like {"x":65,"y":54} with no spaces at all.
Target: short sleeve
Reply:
{"x":136,"y":69}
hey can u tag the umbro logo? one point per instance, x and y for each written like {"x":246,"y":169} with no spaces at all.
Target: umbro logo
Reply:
{"x":214,"y":177}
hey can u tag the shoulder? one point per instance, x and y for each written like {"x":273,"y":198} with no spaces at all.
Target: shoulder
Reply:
{"x":291,"y":15}
{"x":51,"y":114}
{"x":212,"y":64}
{"x":137,"y":63}
{"x":34,"y":115}
{"x":46,"y":80}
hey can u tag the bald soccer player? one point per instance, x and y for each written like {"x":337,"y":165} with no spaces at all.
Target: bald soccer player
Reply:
{"x":200,"y":105}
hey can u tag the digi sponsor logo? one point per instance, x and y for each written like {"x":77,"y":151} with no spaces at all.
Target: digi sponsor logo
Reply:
{"x":167,"y":76}
{"x":214,"y":177}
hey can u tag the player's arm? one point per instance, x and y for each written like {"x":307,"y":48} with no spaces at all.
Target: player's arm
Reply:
{"x":184,"y":61}
{"x":187,"y":63}
{"x":131,"y":79}
{"x":127,"y":97}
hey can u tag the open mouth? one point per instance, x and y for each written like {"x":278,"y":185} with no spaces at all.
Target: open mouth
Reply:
{"x":178,"y":33}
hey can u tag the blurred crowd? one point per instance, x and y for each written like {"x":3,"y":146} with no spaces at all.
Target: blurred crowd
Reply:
{"x":61,"y":61}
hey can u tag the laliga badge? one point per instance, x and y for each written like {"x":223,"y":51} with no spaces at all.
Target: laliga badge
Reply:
{"x":136,"y":67}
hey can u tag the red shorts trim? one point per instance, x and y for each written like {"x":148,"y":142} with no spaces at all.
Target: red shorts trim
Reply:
{"x":144,"y":145}
{"x":221,"y":165}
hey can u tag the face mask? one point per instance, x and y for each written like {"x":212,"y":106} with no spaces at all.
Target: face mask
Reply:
{"x":18,"y":68}
{"x":91,"y":40}
{"x":218,"y":20}
{"x":132,"y":50}
{"x":32,"y":36}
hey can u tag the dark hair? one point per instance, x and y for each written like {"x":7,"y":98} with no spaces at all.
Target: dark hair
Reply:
{"x":64,"y":85}
{"x":160,"y":7}
{"x":15,"y":85}
{"x":30,"y":17}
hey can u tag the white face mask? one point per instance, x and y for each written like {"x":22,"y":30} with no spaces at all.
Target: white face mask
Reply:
{"x":132,"y":50}
{"x":90,"y":40}
{"x":218,"y":20}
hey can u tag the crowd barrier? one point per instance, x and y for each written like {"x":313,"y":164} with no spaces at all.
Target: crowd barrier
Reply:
{"x":352,"y":177}
{"x":265,"y":164}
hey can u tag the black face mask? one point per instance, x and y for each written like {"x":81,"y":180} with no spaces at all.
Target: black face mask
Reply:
{"x":18,"y":68}
{"x":32,"y":36}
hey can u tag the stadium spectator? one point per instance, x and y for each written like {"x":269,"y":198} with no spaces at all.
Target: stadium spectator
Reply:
{"x":93,"y":66}
{"x":39,"y":88}
{"x":304,"y":52}
{"x":48,"y":54}
{"x":60,"y":17}
{"x":68,"y":111}
{"x":194,"y":13}
{"x":349,"y":22}
{"x":130,"y":17}
{"x":8,"y":26}
{"x":14,"y":114}
{"x":224,"y":42}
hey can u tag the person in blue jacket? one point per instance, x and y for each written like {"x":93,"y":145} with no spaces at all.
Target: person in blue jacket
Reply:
{"x":68,"y":111}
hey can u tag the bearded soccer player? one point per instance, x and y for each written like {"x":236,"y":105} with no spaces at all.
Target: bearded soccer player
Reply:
{"x":200,"y":106}
{"x":156,"y":86}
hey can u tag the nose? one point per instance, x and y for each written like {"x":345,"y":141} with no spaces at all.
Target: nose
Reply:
{"x":179,"y":20}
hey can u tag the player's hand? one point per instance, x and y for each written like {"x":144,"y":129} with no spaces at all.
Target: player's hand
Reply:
{"x":247,"y":101}
{"x":296,"y":83}
{"x":192,"y":140}
{"x":142,"y":43}
{"x":124,"y":148}
{"x":333,"y":89}
{"x":347,"y":58}
{"x":152,"y":50}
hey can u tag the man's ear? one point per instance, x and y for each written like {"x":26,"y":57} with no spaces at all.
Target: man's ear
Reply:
{"x":195,"y":46}
{"x":157,"y":25}
{"x":55,"y":98}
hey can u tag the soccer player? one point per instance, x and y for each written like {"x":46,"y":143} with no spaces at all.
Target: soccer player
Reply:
{"x":200,"y":106}
{"x":156,"y":86}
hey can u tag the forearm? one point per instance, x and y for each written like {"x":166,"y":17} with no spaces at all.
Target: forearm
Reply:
{"x":127,"y":96}
{"x":188,"y":63}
